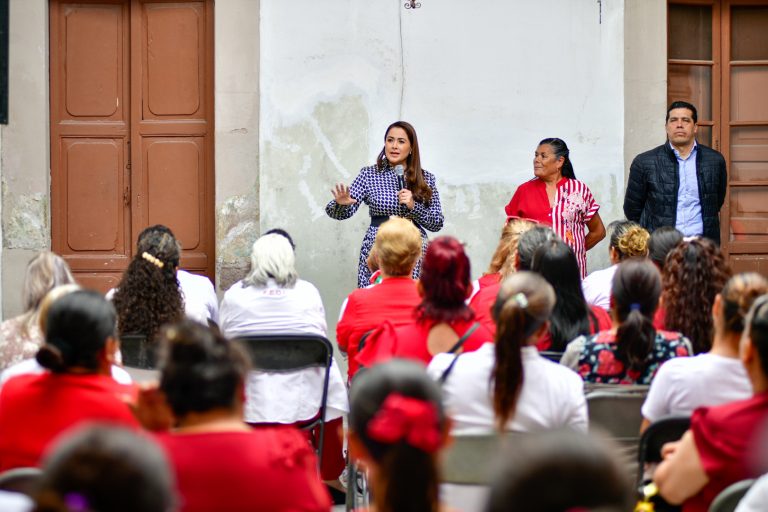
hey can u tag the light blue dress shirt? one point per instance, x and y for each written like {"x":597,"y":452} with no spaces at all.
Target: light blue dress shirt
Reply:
{"x":688,"y":219}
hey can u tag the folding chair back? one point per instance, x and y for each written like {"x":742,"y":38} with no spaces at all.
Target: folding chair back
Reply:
{"x":290,"y":353}
{"x":22,"y":480}
{"x":729,"y":498}
{"x":616,"y":412}
{"x":660,"y":432}
{"x":552,"y":355}
{"x":138,"y":351}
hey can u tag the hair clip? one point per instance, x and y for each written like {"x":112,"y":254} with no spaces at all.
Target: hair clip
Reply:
{"x":521,"y":300}
{"x":153,"y":260}
{"x":76,"y":502}
{"x":635,"y":306}
{"x":408,"y":419}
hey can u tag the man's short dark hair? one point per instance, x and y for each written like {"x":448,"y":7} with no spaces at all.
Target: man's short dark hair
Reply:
{"x":683,"y":104}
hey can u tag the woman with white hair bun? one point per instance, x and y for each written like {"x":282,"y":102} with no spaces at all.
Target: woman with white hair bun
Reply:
{"x":273,"y":300}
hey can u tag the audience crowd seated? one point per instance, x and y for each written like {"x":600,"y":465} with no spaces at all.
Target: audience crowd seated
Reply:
{"x":225,"y":434}
{"x":220,"y":463}
{"x":694,"y":272}
{"x":571,"y":317}
{"x":272,"y":299}
{"x":396,"y":249}
{"x":633,"y":350}
{"x":684,"y":384}
{"x":79,"y":350}
{"x":508,"y":385}
{"x":397,"y":427}
{"x":148,"y":295}
{"x":503,"y":264}
{"x":627,"y":240}
{"x":442,"y":322}
{"x":718,"y":449}
{"x":20,"y":336}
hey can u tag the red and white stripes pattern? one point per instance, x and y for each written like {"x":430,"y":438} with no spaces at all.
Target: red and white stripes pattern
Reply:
{"x":574,"y":207}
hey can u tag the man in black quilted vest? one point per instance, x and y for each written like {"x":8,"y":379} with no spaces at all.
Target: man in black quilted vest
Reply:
{"x":680,"y":183}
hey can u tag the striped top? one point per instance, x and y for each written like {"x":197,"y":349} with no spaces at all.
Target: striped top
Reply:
{"x":574,"y":207}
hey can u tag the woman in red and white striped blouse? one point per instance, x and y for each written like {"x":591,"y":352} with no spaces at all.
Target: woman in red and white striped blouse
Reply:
{"x":555,"y":197}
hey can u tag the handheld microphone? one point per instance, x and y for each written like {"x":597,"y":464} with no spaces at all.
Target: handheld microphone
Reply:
{"x":399,"y":169}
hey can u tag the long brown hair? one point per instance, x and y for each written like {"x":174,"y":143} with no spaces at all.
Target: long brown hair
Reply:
{"x":695,"y":271}
{"x":524,"y":303}
{"x":414,"y":175}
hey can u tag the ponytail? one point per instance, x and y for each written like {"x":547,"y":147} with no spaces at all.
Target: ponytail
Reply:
{"x":635,"y":338}
{"x":507,"y":375}
{"x":523,"y":305}
{"x":636,"y":290}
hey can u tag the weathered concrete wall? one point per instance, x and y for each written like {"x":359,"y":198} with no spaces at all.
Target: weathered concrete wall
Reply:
{"x":24,"y":159}
{"x":481,"y":83}
{"x":645,"y":76}
{"x":237,"y":136}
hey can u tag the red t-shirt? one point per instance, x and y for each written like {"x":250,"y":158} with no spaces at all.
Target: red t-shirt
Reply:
{"x":725,"y":437}
{"x":603,"y":324}
{"x":269,"y":469}
{"x":482,"y":303}
{"x":36,"y":408}
{"x":410,"y":341}
{"x":393,"y":299}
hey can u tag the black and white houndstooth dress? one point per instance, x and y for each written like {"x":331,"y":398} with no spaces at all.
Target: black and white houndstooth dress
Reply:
{"x":378,"y":189}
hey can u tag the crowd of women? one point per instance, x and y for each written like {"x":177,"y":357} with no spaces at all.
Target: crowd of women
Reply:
{"x":431,"y":354}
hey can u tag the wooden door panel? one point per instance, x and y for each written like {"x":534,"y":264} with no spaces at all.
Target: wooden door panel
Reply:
{"x":175,"y":173}
{"x":94,"y":184}
{"x":173,"y":55}
{"x":748,"y":87}
{"x":93,"y":72}
{"x":740,"y":263}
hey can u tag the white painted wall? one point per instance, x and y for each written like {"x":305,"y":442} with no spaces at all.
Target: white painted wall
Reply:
{"x":482,"y":82}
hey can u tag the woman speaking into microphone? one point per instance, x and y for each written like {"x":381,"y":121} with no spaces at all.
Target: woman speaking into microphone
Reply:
{"x":395,"y":185}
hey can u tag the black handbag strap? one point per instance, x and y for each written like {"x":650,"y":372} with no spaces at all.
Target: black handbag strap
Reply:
{"x":454,"y":350}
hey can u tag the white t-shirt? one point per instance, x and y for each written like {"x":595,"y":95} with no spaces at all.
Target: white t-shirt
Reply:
{"x":273,"y":397}
{"x":683,"y":384}
{"x":200,"y":300}
{"x":552,"y":395}
{"x":597,"y":287}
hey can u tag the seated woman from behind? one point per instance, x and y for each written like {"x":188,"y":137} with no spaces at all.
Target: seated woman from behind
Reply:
{"x":721,"y":446}
{"x":397,"y":428}
{"x":632,"y":351}
{"x":556,"y":262}
{"x":79,"y":351}
{"x":220,"y":462}
{"x":273,"y":300}
{"x":628,"y":240}
{"x":20,"y":336}
{"x":148,"y":295}
{"x":715,"y":377}
{"x":508,"y":385}
{"x":443,"y":322}
{"x":396,"y":249}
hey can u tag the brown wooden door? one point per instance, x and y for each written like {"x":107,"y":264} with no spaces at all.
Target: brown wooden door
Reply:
{"x":718,"y":60}
{"x":131,"y":131}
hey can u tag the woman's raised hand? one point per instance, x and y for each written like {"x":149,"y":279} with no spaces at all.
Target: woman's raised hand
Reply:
{"x":341,"y":195}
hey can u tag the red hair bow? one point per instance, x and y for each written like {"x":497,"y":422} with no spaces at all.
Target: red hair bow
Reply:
{"x":403,"y":418}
